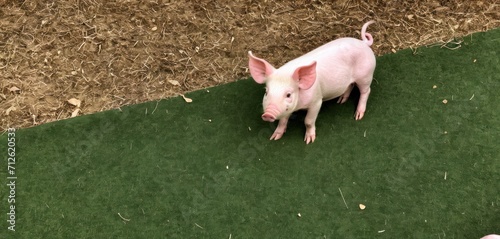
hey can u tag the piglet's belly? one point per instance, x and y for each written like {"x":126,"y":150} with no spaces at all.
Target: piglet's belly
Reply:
{"x":334,"y":93}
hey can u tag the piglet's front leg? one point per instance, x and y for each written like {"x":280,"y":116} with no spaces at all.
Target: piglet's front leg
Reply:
{"x":281,"y":129}
{"x":310,"y":122}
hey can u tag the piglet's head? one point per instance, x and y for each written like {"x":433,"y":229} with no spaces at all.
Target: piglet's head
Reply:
{"x":282,"y":88}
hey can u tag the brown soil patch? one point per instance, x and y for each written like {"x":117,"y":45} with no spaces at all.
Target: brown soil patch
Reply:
{"x":113,"y":53}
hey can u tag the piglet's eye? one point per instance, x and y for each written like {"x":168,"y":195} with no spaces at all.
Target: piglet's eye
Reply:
{"x":288,"y":95}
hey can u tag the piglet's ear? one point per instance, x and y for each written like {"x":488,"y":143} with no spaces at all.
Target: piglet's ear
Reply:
{"x":259,"y":68}
{"x":306,"y":75}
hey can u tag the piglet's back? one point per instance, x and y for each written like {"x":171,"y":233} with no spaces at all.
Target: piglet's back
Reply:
{"x":343,"y":51}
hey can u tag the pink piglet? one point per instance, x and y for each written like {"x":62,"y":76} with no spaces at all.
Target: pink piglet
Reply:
{"x":328,"y":72}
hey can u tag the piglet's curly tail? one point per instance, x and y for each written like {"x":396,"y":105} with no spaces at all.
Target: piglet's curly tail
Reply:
{"x":365,"y":36}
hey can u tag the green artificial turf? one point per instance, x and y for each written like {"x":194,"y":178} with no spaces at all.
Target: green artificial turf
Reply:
{"x":206,"y":169}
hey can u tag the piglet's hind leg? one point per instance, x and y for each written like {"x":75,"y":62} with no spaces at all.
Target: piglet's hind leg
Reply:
{"x":363,"y":98}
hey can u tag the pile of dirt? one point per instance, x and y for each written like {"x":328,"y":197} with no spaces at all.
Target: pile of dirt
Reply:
{"x":106,"y":54}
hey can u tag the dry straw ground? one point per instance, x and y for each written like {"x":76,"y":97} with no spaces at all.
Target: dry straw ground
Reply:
{"x":107,"y":54}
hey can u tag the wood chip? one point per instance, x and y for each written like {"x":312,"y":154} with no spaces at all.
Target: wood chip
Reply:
{"x":14,"y":89}
{"x":445,"y":101}
{"x":75,"y":113}
{"x":441,"y":9}
{"x":125,"y":219}
{"x":12,"y":108}
{"x":74,"y":102}
{"x":343,"y":199}
{"x":434,"y":86}
{"x":362,"y":206}
{"x":198,"y":225}
{"x":188,"y":100}
{"x":174,"y":82}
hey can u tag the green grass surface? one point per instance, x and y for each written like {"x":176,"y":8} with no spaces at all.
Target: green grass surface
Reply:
{"x":424,"y":169}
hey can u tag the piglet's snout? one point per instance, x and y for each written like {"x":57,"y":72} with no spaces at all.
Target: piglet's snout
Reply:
{"x":270,"y":113}
{"x":268,"y":117}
